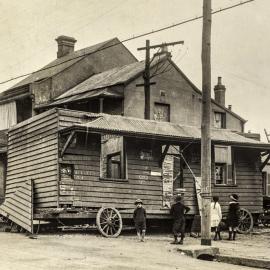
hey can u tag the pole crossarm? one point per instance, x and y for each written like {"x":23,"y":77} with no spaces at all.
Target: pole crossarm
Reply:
{"x":162,"y":45}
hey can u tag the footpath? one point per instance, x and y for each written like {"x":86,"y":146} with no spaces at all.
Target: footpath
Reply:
{"x":249,"y":250}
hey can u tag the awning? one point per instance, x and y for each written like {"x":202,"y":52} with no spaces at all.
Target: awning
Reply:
{"x":127,"y":126}
{"x":97,"y":93}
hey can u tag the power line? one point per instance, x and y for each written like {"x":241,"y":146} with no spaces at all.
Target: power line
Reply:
{"x":131,"y":38}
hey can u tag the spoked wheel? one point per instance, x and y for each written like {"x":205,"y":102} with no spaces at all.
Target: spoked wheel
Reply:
{"x":109,"y":222}
{"x":245,"y":221}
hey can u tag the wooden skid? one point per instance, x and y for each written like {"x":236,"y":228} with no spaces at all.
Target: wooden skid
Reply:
{"x":19,"y":207}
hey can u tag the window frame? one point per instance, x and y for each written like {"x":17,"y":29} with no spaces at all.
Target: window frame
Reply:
{"x":165,"y":105}
{"x":229,"y":173}
{"x":223,"y":120}
{"x":123,"y":164}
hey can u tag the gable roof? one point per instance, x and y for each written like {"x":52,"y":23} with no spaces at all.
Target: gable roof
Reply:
{"x":121,"y":75}
{"x":161,"y":130}
{"x":57,"y":65}
{"x":196,"y":89}
{"x":100,"y":84}
{"x":62,"y":63}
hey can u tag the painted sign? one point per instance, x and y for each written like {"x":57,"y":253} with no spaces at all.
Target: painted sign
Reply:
{"x":167,"y":180}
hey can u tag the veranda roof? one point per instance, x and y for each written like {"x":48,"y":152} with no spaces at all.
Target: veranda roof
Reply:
{"x":128,"y":126}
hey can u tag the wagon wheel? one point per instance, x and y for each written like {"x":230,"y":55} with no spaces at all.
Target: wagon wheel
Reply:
{"x":109,"y":222}
{"x":245,"y":221}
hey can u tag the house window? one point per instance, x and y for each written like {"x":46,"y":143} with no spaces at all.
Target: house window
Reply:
{"x":162,"y":112}
{"x":266,"y":183}
{"x":219,"y":120}
{"x":224,"y":166}
{"x":220,"y":175}
{"x":113,"y":157}
{"x":114,"y":165}
{"x":67,"y":171}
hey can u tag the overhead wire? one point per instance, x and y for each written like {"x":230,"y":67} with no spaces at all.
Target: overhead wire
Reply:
{"x":131,"y":38}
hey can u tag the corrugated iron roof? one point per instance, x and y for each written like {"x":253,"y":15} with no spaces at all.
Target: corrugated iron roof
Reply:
{"x":135,"y":126}
{"x":118,"y":75}
{"x":106,"y":92}
{"x":96,"y":84}
{"x":60,"y":64}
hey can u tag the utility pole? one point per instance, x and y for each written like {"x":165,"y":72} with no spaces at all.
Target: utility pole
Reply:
{"x":146,"y":76}
{"x":205,"y":126}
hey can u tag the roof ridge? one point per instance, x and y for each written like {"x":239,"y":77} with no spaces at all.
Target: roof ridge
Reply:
{"x":61,"y":61}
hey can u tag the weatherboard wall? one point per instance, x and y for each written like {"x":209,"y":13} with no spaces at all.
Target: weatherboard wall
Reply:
{"x":33,"y":155}
{"x":88,"y":189}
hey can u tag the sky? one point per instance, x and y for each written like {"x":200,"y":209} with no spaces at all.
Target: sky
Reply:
{"x":240,"y":41}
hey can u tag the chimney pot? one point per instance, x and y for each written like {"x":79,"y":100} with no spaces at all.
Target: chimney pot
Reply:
{"x":65,"y":45}
{"x":230,"y":107}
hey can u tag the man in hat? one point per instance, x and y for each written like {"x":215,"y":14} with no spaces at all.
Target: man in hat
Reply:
{"x":233,"y":216}
{"x":139,"y":217}
{"x":178,"y":211}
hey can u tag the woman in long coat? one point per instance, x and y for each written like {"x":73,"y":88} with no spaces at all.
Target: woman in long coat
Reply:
{"x":233,"y":216}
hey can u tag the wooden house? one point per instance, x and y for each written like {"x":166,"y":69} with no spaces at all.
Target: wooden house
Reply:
{"x":51,"y":152}
{"x":71,"y":165}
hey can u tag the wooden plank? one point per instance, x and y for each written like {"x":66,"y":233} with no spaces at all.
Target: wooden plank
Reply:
{"x":98,"y":199}
{"x":36,"y":145}
{"x":110,"y":204}
{"x":114,"y":193}
{"x":28,"y":172}
{"x":90,"y":157}
{"x":19,"y":207}
{"x":33,"y":119}
{"x":15,"y":219}
{"x":46,"y":177}
{"x":32,"y":127}
{"x":46,"y":151}
{"x":41,"y":159}
{"x":129,"y":180}
{"x":98,"y":184}
{"x":31,"y":137}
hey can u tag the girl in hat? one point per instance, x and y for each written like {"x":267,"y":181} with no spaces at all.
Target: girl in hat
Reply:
{"x":216,"y":216}
{"x":233,"y":216}
{"x":139,"y":217}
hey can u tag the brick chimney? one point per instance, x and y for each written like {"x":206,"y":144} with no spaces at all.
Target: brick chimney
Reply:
{"x":65,"y":45}
{"x":219,"y":90}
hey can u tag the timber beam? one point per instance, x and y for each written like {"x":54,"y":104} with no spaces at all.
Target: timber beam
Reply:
{"x":67,"y":143}
{"x":163,"y":155}
{"x":265,"y":162}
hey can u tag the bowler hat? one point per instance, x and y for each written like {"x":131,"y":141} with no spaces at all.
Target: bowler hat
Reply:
{"x":138,"y":201}
{"x":234,"y":197}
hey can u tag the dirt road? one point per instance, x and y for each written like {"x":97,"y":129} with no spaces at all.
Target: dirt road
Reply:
{"x":89,"y":251}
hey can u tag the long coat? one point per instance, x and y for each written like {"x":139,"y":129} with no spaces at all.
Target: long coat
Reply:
{"x":233,"y":214}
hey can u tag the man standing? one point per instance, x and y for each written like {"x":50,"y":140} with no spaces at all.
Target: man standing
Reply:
{"x":178,"y":211}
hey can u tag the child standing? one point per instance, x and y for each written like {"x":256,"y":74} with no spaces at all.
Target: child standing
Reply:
{"x":139,"y":217}
{"x":233,"y":216}
{"x":178,"y":212}
{"x":216,"y":216}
